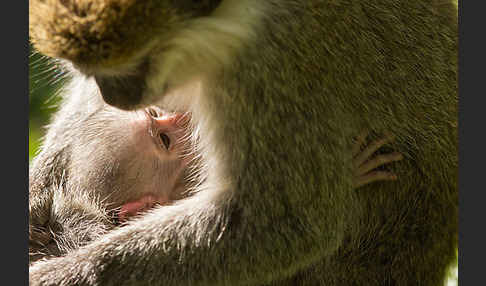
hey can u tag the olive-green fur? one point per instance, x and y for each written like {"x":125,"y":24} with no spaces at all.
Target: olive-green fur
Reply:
{"x":317,"y":73}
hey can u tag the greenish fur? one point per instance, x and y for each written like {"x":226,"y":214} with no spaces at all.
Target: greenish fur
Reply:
{"x":282,"y":115}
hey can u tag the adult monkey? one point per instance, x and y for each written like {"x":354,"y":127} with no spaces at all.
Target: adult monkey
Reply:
{"x":277,"y":206}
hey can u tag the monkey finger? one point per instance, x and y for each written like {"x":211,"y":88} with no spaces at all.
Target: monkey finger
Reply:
{"x":373,"y":177}
{"x":360,"y":141}
{"x":368,"y":151}
{"x":378,"y":161}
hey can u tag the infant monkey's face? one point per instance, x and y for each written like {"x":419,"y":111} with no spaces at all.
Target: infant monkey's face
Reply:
{"x":161,"y":145}
{"x":133,"y":160}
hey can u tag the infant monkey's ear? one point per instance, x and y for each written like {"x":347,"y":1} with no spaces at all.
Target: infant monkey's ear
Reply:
{"x":105,"y":34}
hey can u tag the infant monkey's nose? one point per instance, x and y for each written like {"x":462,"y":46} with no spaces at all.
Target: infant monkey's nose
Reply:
{"x":154,"y":111}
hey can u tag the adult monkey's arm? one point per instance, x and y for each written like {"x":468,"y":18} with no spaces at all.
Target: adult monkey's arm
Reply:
{"x":259,"y":215}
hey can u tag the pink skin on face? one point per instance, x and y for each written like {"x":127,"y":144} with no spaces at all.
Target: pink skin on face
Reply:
{"x":173,"y":127}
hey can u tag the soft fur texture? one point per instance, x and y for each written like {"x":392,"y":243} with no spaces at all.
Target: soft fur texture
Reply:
{"x":275,"y":116}
{"x":101,"y":33}
{"x":69,"y":222}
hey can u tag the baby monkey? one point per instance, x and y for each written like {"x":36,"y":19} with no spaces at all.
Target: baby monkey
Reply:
{"x":167,"y":138}
{"x":133,"y":161}
{"x":169,"y":133}
{"x":121,"y":163}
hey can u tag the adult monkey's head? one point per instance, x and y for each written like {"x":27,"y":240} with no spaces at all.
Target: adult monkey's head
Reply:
{"x":115,"y":40}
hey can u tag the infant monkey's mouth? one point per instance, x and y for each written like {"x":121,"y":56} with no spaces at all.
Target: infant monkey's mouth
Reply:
{"x":137,"y":207}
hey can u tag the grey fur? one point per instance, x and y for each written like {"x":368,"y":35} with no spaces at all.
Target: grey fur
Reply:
{"x":279,"y":121}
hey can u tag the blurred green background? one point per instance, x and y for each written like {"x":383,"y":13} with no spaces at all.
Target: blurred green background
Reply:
{"x":45,"y":79}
